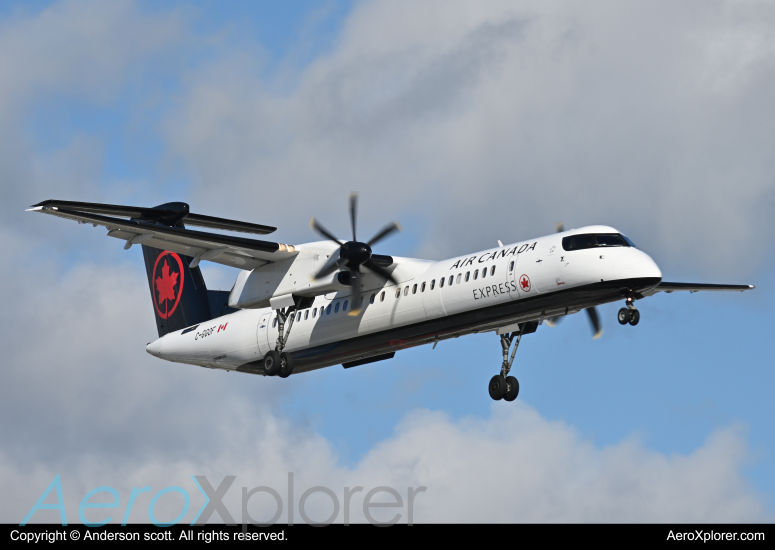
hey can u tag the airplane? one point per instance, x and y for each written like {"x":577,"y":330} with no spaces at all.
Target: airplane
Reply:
{"x":298,"y":308}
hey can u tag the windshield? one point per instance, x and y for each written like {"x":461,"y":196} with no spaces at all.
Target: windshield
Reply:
{"x":600,"y":240}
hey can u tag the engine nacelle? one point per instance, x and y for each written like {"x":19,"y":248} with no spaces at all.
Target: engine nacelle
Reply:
{"x":254,"y":289}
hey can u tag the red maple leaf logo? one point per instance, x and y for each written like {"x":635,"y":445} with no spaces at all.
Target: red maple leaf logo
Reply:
{"x":524,"y":282}
{"x":165,"y":284}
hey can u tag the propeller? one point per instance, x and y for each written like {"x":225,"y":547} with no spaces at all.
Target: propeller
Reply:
{"x":591,"y":311}
{"x":352,"y":255}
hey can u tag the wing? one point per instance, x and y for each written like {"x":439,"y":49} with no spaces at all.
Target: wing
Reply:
{"x":160,"y":213}
{"x":236,"y":252}
{"x":696,"y":287}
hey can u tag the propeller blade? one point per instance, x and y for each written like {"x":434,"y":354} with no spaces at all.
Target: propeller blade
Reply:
{"x":595,"y":320}
{"x":329,"y":267}
{"x":387,"y":230}
{"x":559,"y":227}
{"x":553,"y":321}
{"x":355,"y":283}
{"x":323,"y":231}
{"x":353,"y":211}
{"x":385,"y":274}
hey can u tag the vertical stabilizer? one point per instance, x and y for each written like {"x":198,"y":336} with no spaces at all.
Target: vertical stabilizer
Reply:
{"x":179,"y":294}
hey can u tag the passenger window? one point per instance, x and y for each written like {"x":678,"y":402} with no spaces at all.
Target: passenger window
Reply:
{"x":422,"y":288}
{"x":336,"y":308}
{"x":468,"y":275}
{"x":492,"y":270}
{"x":406,"y":290}
{"x":441,"y":282}
{"x":328,"y":310}
{"x":306,"y":315}
{"x":321,"y":310}
{"x":314,"y":313}
{"x":414,"y":289}
{"x":476,"y":274}
{"x":398,"y":292}
{"x":484,"y":273}
{"x":274,"y":323}
{"x":450,"y":279}
{"x":382,"y":296}
{"x":433,"y":283}
{"x":298,"y":318}
{"x":459,"y":276}
{"x":371,"y":300}
{"x":344,"y":307}
{"x":511,"y":266}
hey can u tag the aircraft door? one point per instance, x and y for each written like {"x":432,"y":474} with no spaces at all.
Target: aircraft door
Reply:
{"x":262,"y":334}
{"x":512,"y":278}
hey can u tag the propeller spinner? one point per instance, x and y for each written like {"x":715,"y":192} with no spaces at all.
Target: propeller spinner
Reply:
{"x":352,"y":255}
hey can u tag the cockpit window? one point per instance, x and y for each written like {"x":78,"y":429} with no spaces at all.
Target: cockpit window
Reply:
{"x":580,"y":242}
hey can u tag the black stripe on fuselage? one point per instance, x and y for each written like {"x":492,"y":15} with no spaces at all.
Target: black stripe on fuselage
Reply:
{"x":468,"y":322}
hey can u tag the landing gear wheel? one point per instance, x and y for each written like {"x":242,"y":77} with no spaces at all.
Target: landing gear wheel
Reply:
{"x":272,"y":363}
{"x":286,"y":365}
{"x":497,"y":387}
{"x":634,"y":317}
{"x":512,"y":389}
{"x":623,"y":316}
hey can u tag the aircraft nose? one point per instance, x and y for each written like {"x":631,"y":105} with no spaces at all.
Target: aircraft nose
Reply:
{"x":154,"y":348}
{"x":648,"y":268}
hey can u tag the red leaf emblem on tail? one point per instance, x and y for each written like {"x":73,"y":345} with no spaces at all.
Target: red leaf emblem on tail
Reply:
{"x":167,"y":274}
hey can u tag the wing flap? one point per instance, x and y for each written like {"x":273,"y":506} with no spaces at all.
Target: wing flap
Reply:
{"x":239,"y":252}
{"x":152,"y":214}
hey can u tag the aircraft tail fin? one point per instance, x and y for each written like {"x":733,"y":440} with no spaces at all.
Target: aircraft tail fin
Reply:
{"x":180,"y":296}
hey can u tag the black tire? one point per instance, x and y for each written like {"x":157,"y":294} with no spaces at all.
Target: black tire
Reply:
{"x":634,"y":317}
{"x":497,"y":387}
{"x":623,"y":316}
{"x":272,"y":363}
{"x":286,"y":365}
{"x":512,"y":390}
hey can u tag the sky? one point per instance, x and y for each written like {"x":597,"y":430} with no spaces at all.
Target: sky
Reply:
{"x":468,"y":122}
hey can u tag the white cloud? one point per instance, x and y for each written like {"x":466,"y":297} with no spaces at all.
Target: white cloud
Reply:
{"x":494,"y":120}
{"x":512,"y":467}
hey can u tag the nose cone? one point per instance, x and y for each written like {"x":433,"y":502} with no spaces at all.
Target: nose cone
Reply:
{"x":648,"y":268}
{"x":154,"y":348}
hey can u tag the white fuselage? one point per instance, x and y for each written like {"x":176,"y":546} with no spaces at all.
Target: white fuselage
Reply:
{"x":515,"y":272}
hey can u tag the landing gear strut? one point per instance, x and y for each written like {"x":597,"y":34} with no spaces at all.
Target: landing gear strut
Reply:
{"x":503,"y":386}
{"x":277,"y":361}
{"x":629,"y":314}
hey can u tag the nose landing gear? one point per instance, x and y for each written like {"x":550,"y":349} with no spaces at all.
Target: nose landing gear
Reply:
{"x":628,"y":314}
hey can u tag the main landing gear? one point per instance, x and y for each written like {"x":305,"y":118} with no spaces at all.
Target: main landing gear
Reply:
{"x":503,"y":386}
{"x":277,"y":362}
{"x":628,"y":314}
